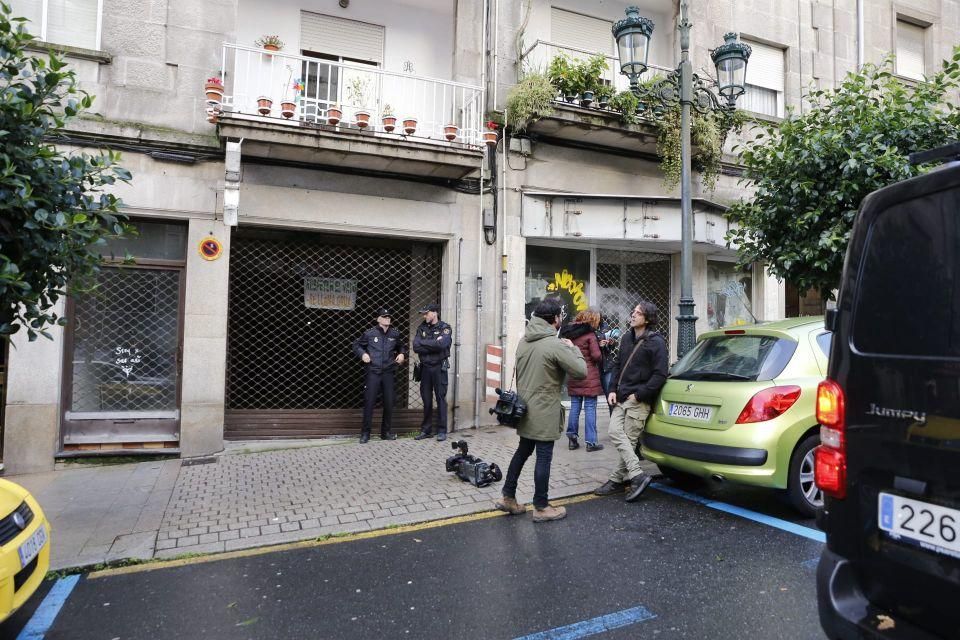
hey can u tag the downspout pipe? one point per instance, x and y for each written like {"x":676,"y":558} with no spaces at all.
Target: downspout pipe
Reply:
{"x":458,"y":318}
{"x":860,"y":45}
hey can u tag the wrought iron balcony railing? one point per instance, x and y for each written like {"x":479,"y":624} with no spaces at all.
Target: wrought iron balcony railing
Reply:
{"x":318,"y":87}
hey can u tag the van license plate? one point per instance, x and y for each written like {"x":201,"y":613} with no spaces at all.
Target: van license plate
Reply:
{"x":29,"y":549}
{"x":931,"y":526}
{"x":691,"y":411}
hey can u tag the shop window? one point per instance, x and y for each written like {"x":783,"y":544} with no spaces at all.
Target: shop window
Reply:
{"x":729,"y":295}
{"x":153,"y":241}
{"x":559,"y":273}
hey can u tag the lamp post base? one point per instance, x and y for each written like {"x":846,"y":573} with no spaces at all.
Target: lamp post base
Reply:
{"x":686,"y":328}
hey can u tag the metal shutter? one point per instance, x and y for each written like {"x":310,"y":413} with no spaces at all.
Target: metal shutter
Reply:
{"x":765,"y":67}
{"x":571,"y":29}
{"x":910,"y":50}
{"x":341,"y":37}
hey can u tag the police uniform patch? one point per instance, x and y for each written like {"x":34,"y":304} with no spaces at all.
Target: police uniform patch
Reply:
{"x":376,"y":339}
{"x":423,"y":333}
{"x":447,"y":331}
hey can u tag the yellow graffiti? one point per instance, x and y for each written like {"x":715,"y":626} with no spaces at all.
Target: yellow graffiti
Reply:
{"x":565,"y":281}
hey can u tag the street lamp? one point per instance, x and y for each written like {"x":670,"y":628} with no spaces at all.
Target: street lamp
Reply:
{"x":684,"y":88}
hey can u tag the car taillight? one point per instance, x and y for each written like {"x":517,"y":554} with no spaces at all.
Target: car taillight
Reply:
{"x":768,"y":404}
{"x":830,"y":458}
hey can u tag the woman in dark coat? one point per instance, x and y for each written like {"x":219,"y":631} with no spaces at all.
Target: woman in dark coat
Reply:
{"x":583,"y":393}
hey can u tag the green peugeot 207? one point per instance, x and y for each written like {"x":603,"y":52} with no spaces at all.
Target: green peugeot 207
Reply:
{"x":740,"y":407}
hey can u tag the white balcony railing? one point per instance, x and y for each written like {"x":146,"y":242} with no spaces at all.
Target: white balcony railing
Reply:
{"x":249,"y":74}
{"x":537,"y":58}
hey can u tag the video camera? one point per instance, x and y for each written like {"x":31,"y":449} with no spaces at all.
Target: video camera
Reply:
{"x":471,"y":468}
{"x":510,"y":408}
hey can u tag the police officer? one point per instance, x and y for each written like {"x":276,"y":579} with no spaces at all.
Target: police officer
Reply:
{"x":432,"y":344}
{"x":381,"y":348}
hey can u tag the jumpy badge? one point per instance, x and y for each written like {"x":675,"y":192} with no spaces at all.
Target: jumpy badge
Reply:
{"x":210,"y":248}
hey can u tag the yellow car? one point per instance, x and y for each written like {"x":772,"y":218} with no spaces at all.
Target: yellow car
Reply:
{"x":24,"y":547}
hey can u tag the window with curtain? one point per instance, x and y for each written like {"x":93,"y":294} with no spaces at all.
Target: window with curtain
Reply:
{"x":764,"y":81}
{"x":910,"y":50}
{"x":74,"y":23}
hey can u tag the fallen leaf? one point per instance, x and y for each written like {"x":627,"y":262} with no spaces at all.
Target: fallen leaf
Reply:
{"x":886,"y":622}
{"x":231,"y":605}
{"x":247,"y":623}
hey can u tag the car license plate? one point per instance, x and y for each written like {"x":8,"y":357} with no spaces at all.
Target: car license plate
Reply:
{"x":691,"y":411}
{"x":931,"y":526}
{"x":30,"y":548}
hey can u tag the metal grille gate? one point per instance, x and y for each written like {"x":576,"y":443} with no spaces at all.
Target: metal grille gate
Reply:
{"x":626,"y":277}
{"x":291,"y":371}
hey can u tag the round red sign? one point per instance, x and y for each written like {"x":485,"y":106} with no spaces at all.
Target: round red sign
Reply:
{"x":210,"y":248}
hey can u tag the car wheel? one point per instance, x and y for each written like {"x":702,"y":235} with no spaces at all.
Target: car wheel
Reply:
{"x":802,"y":491}
{"x":680,"y":478}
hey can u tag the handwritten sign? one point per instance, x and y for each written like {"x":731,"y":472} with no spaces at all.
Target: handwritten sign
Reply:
{"x":126,"y":358}
{"x":329,"y":293}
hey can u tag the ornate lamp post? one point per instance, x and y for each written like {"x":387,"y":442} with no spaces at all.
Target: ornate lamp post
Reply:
{"x":687,"y":89}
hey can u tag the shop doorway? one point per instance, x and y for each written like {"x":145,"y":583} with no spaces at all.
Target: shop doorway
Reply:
{"x":624,"y":278}
{"x":297,"y":303}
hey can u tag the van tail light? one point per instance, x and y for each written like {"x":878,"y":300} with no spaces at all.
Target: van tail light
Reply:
{"x":769,"y":403}
{"x":830,"y":458}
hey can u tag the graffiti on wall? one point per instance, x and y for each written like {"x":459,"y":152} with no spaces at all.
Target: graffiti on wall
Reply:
{"x":564,"y":282}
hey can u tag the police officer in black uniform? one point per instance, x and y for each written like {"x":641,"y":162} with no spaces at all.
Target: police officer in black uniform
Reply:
{"x":432,"y":343}
{"x":381,"y":348}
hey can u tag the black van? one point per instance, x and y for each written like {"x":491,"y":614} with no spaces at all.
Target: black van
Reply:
{"x":889,"y":462}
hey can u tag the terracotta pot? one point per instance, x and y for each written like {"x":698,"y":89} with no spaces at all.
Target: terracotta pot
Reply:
{"x":334,"y":114}
{"x":264,"y":105}
{"x":271,"y":47}
{"x":450,"y":132}
{"x":490,"y":137}
{"x":287,"y":109}
{"x":214,"y":93}
{"x":362,"y":118}
{"x":213,"y":115}
{"x":389,"y":123}
{"x":409,"y":126}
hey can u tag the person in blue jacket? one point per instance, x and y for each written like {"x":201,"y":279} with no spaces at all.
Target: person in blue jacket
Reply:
{"x":382,"y":349}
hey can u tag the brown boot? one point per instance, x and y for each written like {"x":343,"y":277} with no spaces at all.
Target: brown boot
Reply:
{"x":510,"y":505}
{"x":550,"y":513}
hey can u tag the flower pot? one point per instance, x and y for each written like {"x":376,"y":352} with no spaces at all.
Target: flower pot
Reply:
{"x":389,"y":123}
{"x":264,"y":105}
{"x":287,"y":109}
{"x":214,"y":93}
{"x":603,"y":104}
{"x":571,"y":98}
{"x":213,"y":115}
{"x":586,"y":98}
{"x":450,"y":132}
{"x":362,"y":118}
{"x":409,"y":126}
{"x":333,"y":115}
{"x":490,"y":138}
{"x":271,"y":47}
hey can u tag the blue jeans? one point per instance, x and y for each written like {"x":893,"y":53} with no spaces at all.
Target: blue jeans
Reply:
{"x":573,"y":421}
{"x":541,"y":472}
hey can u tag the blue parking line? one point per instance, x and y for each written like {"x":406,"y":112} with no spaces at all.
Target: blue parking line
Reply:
{"x":47,"y":612}
{"x":594,"y":625}
{"x":777,"y":523}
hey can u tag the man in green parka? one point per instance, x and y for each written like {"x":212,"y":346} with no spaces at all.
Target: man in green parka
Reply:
{"x":542,"y":359}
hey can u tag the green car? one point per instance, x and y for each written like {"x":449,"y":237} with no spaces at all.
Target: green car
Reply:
{"x":740,"y":408}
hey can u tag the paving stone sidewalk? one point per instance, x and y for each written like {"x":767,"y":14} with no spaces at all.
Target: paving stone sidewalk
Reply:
{"x":263,"y":493}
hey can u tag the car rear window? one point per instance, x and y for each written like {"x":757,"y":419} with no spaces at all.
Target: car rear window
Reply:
{"x":907,"y":299}
{"x":736,"y":357}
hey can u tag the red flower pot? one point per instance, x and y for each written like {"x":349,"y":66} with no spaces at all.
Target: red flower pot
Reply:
{"x":389,"y":123}
{"x":450,"y":132}
{"x":409,"y":126}
{"x":214,"y":92}
{"x":362,"y":118}
{"x":334,"y":114}
{"x":287,"y":109}
{"x":264,"y":105}
{"x":490,"y":137}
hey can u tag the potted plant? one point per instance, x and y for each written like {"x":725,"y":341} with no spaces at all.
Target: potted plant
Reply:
{"x":586,"y":78}
{"x":389,"y":120}
{"x":450,"y":132}
{"x":270,"y":43}
{"x":214,"y":90}
{"x":560,"y":73}
{"x":409,"y":125}
{"x":528,"y":101}
{"x":490,"y":135}
{"x":288,"y":104}
{"x":264,"y":105}
{"x":213,"y":114}
{"x":357,"y":94}
{"x":334,"y":114}
{"x":603,"y":93}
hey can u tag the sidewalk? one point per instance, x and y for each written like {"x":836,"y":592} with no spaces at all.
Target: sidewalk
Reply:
{"x":270,"y":492}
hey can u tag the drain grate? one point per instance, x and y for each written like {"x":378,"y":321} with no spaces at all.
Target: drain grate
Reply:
{"x":191,"y":462}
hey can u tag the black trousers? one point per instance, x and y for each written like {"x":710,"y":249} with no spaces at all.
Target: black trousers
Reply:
{"x":376,"y":383}
{"x":433,"y":383}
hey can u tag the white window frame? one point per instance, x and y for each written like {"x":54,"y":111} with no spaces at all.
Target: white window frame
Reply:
{"x":777,"y":85}
{"x":44,"y":9}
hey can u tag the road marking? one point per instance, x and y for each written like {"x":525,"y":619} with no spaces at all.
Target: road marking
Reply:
{"x":777,"y":523}
{"x":594,"y":626}
{"x":309,"y":544}
{"x":42,"y":619}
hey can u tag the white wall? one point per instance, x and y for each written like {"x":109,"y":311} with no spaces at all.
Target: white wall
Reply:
{"x":421,"y":34}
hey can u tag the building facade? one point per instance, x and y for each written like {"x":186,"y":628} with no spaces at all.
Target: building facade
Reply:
{"x":270,"y":230}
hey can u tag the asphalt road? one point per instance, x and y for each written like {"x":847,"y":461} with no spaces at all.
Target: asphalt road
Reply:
{"x":665,"y":567}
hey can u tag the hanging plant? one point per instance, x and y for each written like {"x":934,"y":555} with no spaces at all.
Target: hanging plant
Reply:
{"x":708,"y":133}
{"x":626,"y":104}
{"x":529,"y":100}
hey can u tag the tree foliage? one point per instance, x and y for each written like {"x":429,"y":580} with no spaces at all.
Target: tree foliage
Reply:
{"x":811,"y":170}
{"x":53,"y":212}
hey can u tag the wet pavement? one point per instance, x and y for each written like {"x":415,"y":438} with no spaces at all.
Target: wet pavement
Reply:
{"x":665,"y":567}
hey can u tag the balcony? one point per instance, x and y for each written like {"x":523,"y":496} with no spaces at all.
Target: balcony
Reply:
{"x":283,"y":105}
{"x":590,"y":125}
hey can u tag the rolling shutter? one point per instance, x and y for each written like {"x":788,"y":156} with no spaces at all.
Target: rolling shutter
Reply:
{"x":341,"y":37}
{"x":910,"y":50}
{"x":765,"y":67}
{"x":571,"y":29}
